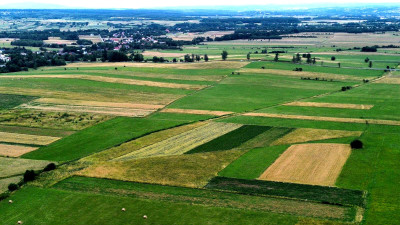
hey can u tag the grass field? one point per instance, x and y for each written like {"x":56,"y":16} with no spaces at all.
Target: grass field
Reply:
{"x":13,"y":166}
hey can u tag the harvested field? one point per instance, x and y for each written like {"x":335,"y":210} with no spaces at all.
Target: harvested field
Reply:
{"x":330,"y":105}
{"x":184,"y":142}
{"x":331,"y":119}
{"x":115,"y":80}
{"x":94,"y":39}
{"x":197,"y":112}
{"x":198,"y":65}
{"x":14,"y":150}
{"x":314,"y":164}
{"x":90,"y":109}
{"x":16,"y":166}
{"x":307,"y":134}
{"x":26,"y":138}
{"x":163,"y":54}
{"x":193,"y":170}
{"x":389,"y":80}
{"x":60,"y":101}
{"x":327,"y":76}
{"x":191,"y":36}
{"x":59,"y":41}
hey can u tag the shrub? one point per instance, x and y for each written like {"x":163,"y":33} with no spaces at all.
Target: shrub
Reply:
{"x":13,"y":187}
{"x":29,"y":175}
{"x":50,"y":167}
{"x":356,"y":144}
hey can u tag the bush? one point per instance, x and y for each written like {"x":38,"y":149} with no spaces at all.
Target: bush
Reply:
{"x":50,"y":167}
{"x":13,"y":187}
{"x":29,"y":175}
{"x":356,"y":144}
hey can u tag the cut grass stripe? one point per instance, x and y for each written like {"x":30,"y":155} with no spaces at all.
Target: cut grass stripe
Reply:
{"x":184,"y":142}
{"x":231,"y":140}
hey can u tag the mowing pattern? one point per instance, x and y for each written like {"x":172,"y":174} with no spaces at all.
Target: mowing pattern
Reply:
{"x":231,"y":140}
{"x":315,"y":164}
{"x":307,"y":134}
{"x":330,"y":195}
{"x":26,"y":138}
{"x":184,"y":142}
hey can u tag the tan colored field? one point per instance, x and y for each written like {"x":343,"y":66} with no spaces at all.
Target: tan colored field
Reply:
{"x":26,"y":138}
{"x":198,"y":112}
{"x":389,"y":80}
{"x":6,"y":181}
{"x":184,"y":142}
{"x":191,"y":170}
{"x":314,"y":164}
{"x":139,"y":143}
{"x":96,"y":103}
{"x":14,"y":150}
{"x":190,"y":36}
{"x":197,"y":65}
{"x":16,"y":166}
{"x":327,"y":76}
{"x":106,"y":96}
{"x":114,"y":80}
{"x":95,"y":39}
{"x":308,"y":134}
{"x":163,"y":54}
{"x":331,"y":119}
{"x":90,"y":109}
{"x":330,"y":105}
{"x":57,"y":40}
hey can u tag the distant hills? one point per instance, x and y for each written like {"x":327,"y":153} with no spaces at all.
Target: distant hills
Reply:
{"x":33,"y":5}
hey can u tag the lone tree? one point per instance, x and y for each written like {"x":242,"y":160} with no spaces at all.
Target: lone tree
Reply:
{"x":13,"y":187}
{"x":370,"y":64}
{"x":206,"y":57}
{"x":248,"y":56}
{"x":276,"y":57}
{"x":356,"y":144}
{"x":333,"y":58}
{"x":224,"y":55}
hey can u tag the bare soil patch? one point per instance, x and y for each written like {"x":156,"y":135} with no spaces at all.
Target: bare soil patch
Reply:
{"x":315,"y":164}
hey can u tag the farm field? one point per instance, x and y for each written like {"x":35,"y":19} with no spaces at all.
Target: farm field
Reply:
{"x":231,"y":141}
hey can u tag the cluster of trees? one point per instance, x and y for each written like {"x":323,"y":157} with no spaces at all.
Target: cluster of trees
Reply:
{"x":193,"y":58}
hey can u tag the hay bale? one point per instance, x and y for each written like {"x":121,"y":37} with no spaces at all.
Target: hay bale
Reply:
{"x":144,"y":217}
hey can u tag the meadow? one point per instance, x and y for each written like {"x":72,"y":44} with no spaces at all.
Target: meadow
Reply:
{"x":220,"y":142}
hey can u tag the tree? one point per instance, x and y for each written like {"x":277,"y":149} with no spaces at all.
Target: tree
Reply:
{"x":116,"y":56}
{"x":206,"y":57}
{"x":370,"y":64}
{"x":298,"y":58}
{"x":356,"y":144}
{"x":187,"y":58}
{"x":276,"y":57}
{"x":13,"y":187}
{"x":29,"y":175}
{"x":198,"y":58}
{"x":224,"y":55}
{"x":366,"y":60}
{"x":105,"y":55}
{"x":333,"y":58}
{"x":248,"y":56}
{"x":138,"y":58}
{"x":49,"y":167}
{"x":174,"y":60}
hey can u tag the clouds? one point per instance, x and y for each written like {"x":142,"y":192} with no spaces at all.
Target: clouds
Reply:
{"x":173,"y":3}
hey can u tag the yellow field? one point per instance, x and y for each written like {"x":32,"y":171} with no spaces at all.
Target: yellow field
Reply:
{"x":14,"y":150}
{"x":307,"y":134}
{"x":94,"y":39}
{"x":184,"y":142}
{"x":330,"y":105}
{"x":190,"y":36}
{"x":163,"y":54}
{"x":26,"y":138}
{"x":314,"y":164}
{"x":331,"y":119}
{"x":389,"y":80}
{"x":57,"y":40}
{"x":191,"y":170}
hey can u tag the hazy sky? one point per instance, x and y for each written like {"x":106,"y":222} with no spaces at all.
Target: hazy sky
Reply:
{"x":172,"y":3}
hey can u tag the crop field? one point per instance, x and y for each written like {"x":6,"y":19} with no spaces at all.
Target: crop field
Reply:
{"x":232,"y":141}
{"x":314,"y":164}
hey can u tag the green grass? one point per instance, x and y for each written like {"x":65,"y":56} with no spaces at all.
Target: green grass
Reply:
{"x":231,"y":140}
{"x":253,"y":163}
{"x":329,"y":195}
{"x":8,"y":101}
{"x":52,"y":206}
{"x":99,"y":137}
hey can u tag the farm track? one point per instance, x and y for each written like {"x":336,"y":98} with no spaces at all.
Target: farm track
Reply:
{"x":184,"y":142}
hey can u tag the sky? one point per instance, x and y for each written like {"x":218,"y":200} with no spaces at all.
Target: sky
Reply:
{"x":178,"y":3}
